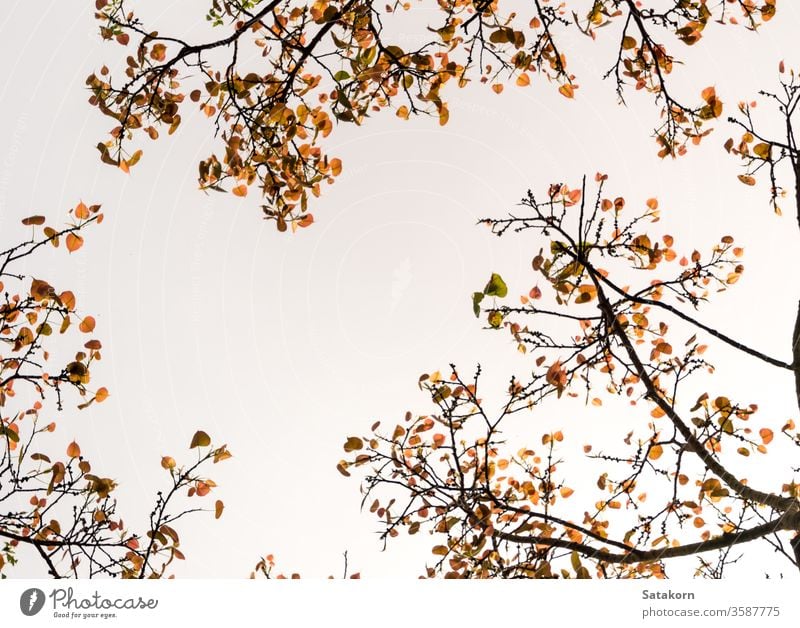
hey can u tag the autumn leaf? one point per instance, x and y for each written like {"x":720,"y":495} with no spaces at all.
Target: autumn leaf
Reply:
{"x":567,"y":90}
{"x":87,"y":325}
{"x":74,"y":242}
{"x":200,"y":439}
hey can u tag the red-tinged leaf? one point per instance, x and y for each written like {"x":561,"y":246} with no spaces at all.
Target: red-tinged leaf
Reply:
{"x":306,"y":221}
{"x":203,"y":489}
{"x":535,"y":293}
{"x":33,"y":220}
{"x":74,"y":242}
{"x":41,"y":290}
{"x":73,"y":450}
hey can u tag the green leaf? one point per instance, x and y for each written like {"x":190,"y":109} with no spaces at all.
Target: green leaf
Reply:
{"x":496,"y":287}
{"x":495,"y":319}
{"x":11,"y":434}
{"x":477,"y":297}
{"x":575,"y":559}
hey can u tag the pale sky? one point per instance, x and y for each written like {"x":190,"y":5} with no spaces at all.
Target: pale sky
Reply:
{"x":282,"y":345}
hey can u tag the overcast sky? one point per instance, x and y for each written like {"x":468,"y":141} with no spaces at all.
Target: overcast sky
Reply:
{"x":282,"y":345}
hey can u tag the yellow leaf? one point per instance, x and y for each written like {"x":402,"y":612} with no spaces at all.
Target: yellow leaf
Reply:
{"x":200,"y":439}
{"x":353,"y":444}
{"x":168,"y":462}
{"x":762,"y":150}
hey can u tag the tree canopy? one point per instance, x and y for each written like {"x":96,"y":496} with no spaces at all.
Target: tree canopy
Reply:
{"x":613,"y":314}
{"x":52,"y":500}
{"x":282,"y":75}
{"x":618,"y":316}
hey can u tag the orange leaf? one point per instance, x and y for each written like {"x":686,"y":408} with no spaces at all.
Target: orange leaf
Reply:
{"x":67,"y":299}
{"x":766,"y":435}
{"x":203,"y":489}
{"x":566,"y":492}
{"x":87,"y":325}
{"x":523,"y":80}
{"x":567,"y":90}
{"x":336,"y":166}
{"x":168,"y":462}
{"x":101,"y":394}
{"x":81,"y":211}
{"x":218,"y":508}
{"x":240,"y":190}
{"x":73,"y":450}
{"x":74,"y":242}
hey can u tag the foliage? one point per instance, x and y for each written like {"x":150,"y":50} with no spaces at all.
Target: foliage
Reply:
{"x":53,"y":500}
{"x":614,"y":318}
{"x":284,"y":73}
